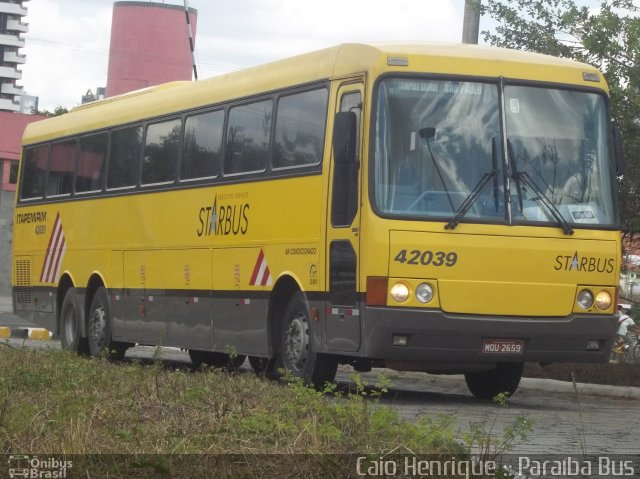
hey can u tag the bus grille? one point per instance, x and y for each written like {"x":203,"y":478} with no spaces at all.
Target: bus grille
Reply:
{"x":23,"y":281}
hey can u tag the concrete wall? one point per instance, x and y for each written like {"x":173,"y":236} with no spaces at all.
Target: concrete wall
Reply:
{"x":12,"y":127}
{"x":6,"y":218}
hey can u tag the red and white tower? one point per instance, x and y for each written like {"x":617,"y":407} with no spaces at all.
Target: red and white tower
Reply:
{"x":149,"y":45}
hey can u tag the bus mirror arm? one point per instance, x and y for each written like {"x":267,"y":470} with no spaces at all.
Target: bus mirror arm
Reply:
{"x":618,"y":150}
{"x":344,"y":138}
{"x":429,"y":133}
{"x":515,"y":174}
{"x":494,"y":165}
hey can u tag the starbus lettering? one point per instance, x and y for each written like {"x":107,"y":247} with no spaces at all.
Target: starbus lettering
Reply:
{"x":223,"y":219}
{"x":584,"y":264}
{"x":232,"y":220}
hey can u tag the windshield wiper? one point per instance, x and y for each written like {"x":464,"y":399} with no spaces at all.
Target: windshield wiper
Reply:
{"x":469,"y":200}
{"x":475,"y":192}
{"x":523,"y":176}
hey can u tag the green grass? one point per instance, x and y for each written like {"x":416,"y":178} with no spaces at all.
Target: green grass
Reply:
{"x":56,"y":402}
{"x":151,"y":420}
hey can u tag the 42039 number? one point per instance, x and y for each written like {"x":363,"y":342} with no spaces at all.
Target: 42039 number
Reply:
{"x":427,"y":258}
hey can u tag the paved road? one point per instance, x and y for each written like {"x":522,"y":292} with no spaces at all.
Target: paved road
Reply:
{"x":598,"y":420}
{"x":11,"y":320}
{"x":563,"y":422}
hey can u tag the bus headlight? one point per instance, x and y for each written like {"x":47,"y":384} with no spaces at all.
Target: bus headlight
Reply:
{"x":603,"y":300}
{"x":424,"y":293}
{"x":585,"y":299}
{"x":400,"y":292}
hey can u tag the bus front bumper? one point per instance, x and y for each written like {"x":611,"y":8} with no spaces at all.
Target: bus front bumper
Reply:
{"x":432,"y":335}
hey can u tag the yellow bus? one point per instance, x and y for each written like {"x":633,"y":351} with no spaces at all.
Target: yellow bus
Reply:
{"x":429,"y":207}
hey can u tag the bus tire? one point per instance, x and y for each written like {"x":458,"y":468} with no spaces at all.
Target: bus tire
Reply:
{"x":215,"y":360}
{"x":504,"y":378}
{"x":296,"y":348}
{"x":70,"y":337}
{"x":99,"y":328}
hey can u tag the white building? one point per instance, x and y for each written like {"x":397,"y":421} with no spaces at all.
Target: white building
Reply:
{"x":11,"y":30}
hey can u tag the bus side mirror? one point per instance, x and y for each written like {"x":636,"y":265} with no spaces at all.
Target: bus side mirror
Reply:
{"x":344,"y":205}
{"x":618,"y":150}
{"x":344,"y":138}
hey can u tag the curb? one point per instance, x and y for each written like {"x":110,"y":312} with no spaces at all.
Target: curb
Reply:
{"x":40,"y":334}
{"x":533,"y":384}
{"x":554,"y":385}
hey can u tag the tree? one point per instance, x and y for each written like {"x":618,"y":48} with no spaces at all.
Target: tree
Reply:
{"x":609,"y":39}
{"x":59,"y":110}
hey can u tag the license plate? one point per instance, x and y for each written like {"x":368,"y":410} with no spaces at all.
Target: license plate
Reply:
{"x":503,"y":346}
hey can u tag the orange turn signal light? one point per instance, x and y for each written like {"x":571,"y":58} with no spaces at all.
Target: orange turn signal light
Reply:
{"x":377,"y":290}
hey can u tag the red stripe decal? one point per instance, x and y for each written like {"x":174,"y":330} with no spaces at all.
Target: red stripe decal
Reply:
{"x":44,"y":264}
{"x":256,"y":268}
{"x":54,"y":253}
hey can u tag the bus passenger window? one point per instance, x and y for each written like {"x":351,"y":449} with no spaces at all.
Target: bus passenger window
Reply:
{"x":352,"y":102}
{"x":61,"y":165}
{"x":248,"y":136}
{"x":125,"y":153}
{"x":34,"y":172}
{"x":202,"y":145}
{"x":161,"y":151}
{"x":91,"y":162}
{"x":300,"y":128}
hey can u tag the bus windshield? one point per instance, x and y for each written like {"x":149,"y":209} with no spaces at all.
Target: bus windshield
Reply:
{"x":439,"y":153}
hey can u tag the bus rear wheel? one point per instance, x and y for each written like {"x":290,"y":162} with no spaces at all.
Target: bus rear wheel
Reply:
{"x":504,"y":378}
{"x":70,"y":337}
{"x":296,"y":348}
{"x":99,"y":328}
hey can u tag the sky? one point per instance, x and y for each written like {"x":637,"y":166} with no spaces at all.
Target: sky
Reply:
{"x":67,"y":44}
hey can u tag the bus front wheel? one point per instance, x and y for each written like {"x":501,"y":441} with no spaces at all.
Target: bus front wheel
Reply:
{"x":297,"y":354}
{"x":99,"y":328}
{"x":504,"y":378}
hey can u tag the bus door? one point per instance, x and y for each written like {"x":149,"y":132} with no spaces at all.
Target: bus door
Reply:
{"x":343,"y":233}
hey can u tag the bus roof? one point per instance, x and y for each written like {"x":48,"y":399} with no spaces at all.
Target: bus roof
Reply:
{"x":335,"y":62}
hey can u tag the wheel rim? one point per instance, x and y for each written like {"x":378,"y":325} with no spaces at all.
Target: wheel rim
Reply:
{"x":98,"y":327}
{"x":297,"y":341}
{"x":70,"y":326}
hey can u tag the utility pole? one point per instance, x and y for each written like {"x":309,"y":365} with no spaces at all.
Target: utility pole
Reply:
{"x":471,"y":25}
